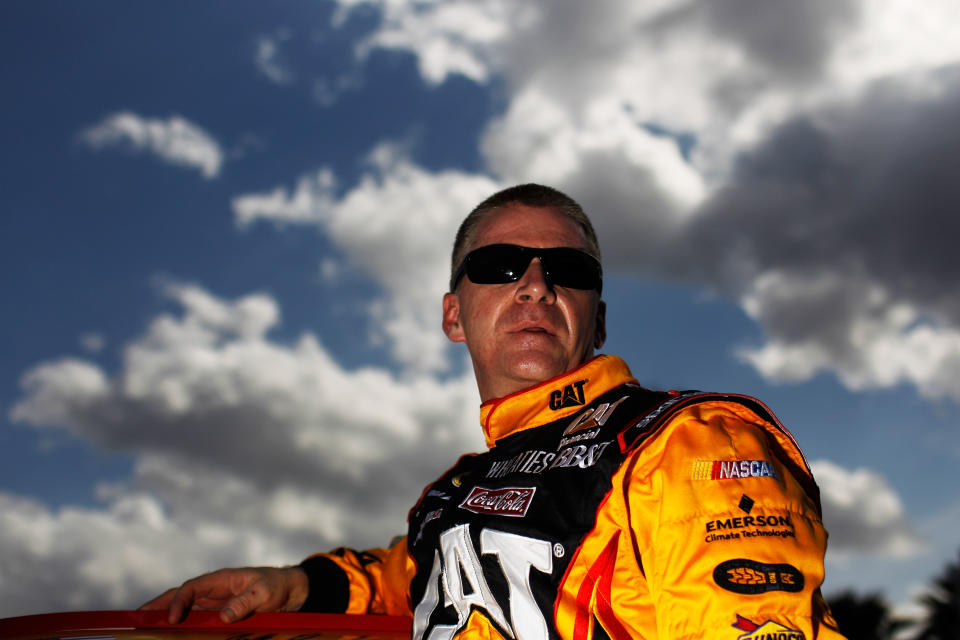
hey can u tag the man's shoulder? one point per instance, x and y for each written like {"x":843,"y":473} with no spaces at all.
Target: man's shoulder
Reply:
{"x":693,"y":420}
{"x":655,"y":412}
{"x":651,"y":411}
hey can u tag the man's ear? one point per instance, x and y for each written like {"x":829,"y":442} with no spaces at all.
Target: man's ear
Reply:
{"x":600,"y":333}
{"x":451,"y":318}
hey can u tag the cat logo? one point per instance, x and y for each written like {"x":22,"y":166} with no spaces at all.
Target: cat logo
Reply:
{"x":570,"y":396}
{"x":592,"y":417}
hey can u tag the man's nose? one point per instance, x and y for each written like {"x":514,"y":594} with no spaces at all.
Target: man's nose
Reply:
{"x":533,"y":285}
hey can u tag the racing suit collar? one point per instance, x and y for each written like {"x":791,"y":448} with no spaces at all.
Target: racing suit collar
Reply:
{"x":552,"y":399}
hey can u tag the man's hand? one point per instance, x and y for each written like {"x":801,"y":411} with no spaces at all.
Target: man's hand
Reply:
{"x":235,"y":593}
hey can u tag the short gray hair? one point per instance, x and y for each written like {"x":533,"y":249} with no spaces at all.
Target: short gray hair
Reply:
{"x":531,"y":195}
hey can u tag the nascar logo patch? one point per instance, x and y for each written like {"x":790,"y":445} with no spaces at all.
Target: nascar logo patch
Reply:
{"x":729,"y":469}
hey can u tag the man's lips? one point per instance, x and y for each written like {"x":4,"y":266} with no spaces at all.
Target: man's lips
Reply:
{"x":534,"y":328}
{"x":529,"y":322}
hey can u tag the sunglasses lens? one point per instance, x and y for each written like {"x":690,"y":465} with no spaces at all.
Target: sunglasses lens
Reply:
{"x":572,"y":268}
{"x":497,"y":264}
{"x":502,"y":263}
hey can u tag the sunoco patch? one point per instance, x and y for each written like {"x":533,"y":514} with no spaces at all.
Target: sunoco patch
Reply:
{"x":768,"y":630}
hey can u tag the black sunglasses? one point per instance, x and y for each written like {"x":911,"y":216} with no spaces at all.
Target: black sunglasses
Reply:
{"x":503,"y":263}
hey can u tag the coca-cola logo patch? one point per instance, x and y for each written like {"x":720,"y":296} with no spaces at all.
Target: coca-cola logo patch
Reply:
{"x":508,"y":501}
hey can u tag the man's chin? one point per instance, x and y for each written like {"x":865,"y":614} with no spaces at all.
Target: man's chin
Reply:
{"x":535,"y":367}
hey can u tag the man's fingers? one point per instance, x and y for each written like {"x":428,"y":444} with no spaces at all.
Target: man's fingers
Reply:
{"x":184,"y":599}
{"x":247,"y":602}
{"x":176,"y":610}
{"x":172,"y":600}
{"x":235,"y":593}
{"x":162,"y":601}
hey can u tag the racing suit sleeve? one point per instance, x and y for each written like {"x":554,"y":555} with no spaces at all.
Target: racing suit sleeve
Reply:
{"x":375,"y":581}
{"x":725,"y":524}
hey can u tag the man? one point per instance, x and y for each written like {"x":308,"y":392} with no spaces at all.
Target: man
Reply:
{"x":601,"y":509}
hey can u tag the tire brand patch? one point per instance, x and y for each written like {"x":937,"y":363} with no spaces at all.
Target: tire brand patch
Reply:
{"x":751,"y":577}
{"x":508,"y":501}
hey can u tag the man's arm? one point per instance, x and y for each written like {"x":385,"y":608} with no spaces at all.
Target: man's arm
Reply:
{"x":725,"y":527}
{"x":372,"y":581}
{"x":342,"y":581}
{"x":236,"y":593}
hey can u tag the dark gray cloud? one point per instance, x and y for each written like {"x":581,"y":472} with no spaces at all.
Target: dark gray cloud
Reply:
{"x":851,"y":209}
{"x":870,"y":186}
{"x":792,"y":40}
{"x":862,"y":513}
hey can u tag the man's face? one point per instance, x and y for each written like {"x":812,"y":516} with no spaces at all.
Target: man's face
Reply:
{"x":524,"y":332}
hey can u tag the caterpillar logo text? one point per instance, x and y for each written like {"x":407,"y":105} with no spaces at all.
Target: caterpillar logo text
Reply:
{"x":570,"y":396}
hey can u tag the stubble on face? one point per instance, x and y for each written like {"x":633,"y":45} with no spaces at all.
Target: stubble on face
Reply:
{"x":522,"y":333}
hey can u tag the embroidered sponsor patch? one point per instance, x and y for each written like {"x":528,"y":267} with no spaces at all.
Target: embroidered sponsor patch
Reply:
{"x":751,"y":577}
{"x":570,"y":396}
{"x":729,"y":469}
{"x":433,"y":515}
{"x":537,"y":461}
{"x":769,"y":630}
{"x":508,"y":501}
{"x":754,"y":526}
{"x":584,"y":435}
{"x":590,"y":418}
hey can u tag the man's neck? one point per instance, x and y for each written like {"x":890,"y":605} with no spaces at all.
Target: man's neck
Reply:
{"x":501,"y":387}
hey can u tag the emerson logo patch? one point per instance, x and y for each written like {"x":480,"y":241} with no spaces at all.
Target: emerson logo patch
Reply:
{"x":751,"y":577}
{"x":729,"y":469}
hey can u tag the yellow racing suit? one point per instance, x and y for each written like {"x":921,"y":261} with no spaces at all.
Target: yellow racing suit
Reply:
{"x":604,"y":510}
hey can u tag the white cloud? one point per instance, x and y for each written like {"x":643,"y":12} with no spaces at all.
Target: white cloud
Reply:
{"x":306,"y":205}
{"x":863,"y":513}
{"x":449,"y":36}
{"x":636,"y":185}
{"x":724,"y":71}
{"x":116,"y":557}
{"x":806,"y":125}
{"x":326,"y":91}
{"x":175,"y":140}
{"x":92,"y":342}
{"x":880,"y":342}
{"x":330,"y":271}
{"x":898,"y":37}
{"x":56,"y":388}
{"x":900,"y":578}
{"x":269,"y":61}
{"x":248,"y":451}
{"x":397,"y":224}
{"x":210,"y":385}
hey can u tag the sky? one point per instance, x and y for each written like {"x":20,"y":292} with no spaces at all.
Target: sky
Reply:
{"x":226,"y":228}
